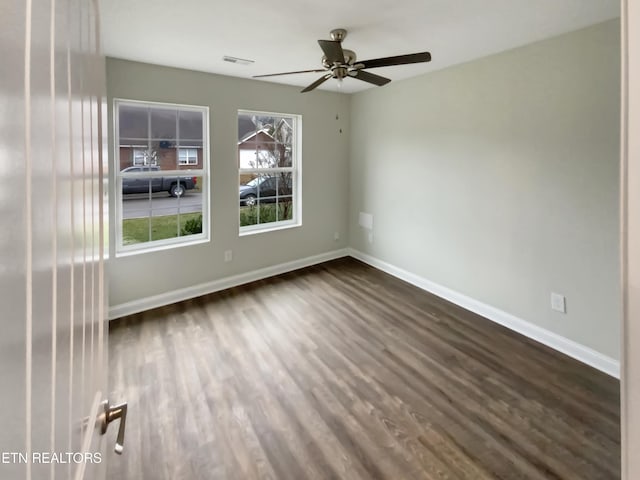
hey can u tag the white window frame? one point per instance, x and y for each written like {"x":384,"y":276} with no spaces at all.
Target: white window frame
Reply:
{"x":188,"y":160}
{"x":296,"y":177}
{"x":203,"y":173}
{"x":137,"y":153}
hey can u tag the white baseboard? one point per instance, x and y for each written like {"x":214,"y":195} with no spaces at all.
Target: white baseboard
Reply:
{"x":557,"y":342}
{"x":528,"y":329}
{"x":136,"y":306}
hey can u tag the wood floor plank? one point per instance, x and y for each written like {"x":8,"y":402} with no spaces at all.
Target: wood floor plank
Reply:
{"x":339,"y":371}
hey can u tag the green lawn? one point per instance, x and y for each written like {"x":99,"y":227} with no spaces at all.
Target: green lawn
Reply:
{"x":136,"y":230}
{"x":269,"y":212}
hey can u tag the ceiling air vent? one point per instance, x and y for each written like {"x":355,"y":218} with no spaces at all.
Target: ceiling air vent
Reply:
{"x":239,"y":61}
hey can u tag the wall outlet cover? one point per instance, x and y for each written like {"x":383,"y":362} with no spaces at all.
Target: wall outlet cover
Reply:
{"x":365,"y":220}
{"x":558,"y":302}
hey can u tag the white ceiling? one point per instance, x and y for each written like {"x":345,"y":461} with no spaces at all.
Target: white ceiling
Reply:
{"x":280,"y":35}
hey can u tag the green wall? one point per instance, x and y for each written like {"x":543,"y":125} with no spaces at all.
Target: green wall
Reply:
{"x":499,"y":179}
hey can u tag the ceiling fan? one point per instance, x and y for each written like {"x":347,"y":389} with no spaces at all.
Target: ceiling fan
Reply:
{"x":341,"y":63}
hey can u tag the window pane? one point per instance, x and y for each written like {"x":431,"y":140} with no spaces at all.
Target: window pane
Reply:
{"x":190,"y":125}
{"x":263,"y":122}
{"x":267,"y":155}
{"x":248,"y":189}
{"x":284,"y":183}
{"x":135,"y":230}
{"x":136,"y":202}
{"x":285,"y":208}
{"x":162,"y":154}
{"x":256,"y":156}
{"x":247,"y":156}
{"x":283,"y":131}
{"x":248,"y":216}
{"x":246,"y":127}
{"x":133,"y":122}
{"x":248,"y":199}
{"x":163,"y":125}
{"x":190,"y":223}
{"x":272,"y":154}
{"x":267,"y":211}
{"x":285,"y":158}
{"x":267,"y":188}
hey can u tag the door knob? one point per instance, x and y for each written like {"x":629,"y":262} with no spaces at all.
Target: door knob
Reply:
{"x":111,"y":413}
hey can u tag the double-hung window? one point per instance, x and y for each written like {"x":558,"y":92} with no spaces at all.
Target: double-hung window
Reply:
{"x":269,"y":170}
{"x":187,"y":156}
{"x":161,"y":163}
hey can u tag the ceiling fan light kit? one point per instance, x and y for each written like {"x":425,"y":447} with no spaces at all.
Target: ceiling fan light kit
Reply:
{"x":340,"y":63}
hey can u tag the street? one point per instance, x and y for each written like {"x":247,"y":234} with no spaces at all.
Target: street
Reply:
{"x":138,"y":205}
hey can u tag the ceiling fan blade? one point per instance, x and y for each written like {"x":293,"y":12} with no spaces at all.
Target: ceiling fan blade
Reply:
{"x":289,"y":73}
{"x":369,"y":77}
{"x":398,"y":60}
{"x":332,"y":50}
{"x":317,"y":83}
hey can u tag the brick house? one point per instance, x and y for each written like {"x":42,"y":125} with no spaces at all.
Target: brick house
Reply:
{"x":263,"y":143}
{"x":163,"y":154}
{"x":252,"y":146}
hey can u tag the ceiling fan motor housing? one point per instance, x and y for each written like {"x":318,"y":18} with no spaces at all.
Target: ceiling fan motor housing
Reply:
{"x":339,"y":72}
{"x":349,"y":58}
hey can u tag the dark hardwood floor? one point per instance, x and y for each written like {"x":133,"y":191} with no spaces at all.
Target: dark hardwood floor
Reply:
{"x":340,"y":371}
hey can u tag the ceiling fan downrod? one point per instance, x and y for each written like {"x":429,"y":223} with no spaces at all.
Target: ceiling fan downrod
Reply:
{"x":338,"y":34}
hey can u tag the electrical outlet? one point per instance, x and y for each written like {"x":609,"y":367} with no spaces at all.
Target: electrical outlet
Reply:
{"x":558,"y":302}
{"x":228,"y":255}
{"x":336,"y":236}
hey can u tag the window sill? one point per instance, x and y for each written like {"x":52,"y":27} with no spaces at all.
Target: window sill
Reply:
{"x":161,"y":246}
{"x":256,"y":230}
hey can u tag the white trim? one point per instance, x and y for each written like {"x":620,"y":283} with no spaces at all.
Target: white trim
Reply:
{"x":259,"y":228}
{"x":179,"y":295}
{"x":573,"y":349}
{"x":164,"y":244}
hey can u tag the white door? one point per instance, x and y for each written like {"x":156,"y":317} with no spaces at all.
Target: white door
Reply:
{"x":53,"y":336}
{"x":631,"y":239}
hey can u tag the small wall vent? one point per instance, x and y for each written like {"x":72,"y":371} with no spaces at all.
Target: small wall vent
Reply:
{"x":239,"y":61}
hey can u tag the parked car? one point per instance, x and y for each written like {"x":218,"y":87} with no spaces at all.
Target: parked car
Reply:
{"x":265,"y":187}
{"x":176,"y":186}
